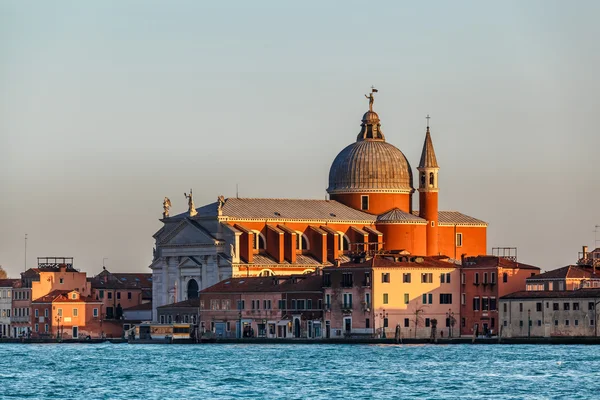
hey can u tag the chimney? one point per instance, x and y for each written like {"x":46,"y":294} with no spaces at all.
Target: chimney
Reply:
{"x":462,"y":258}
{"x":585,"y":252}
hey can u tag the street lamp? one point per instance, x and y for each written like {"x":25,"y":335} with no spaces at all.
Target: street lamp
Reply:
{"x":383,"y":315}
{"x":528,"y":323}
{"x":451,"y":321}
{"x":58,"y":331}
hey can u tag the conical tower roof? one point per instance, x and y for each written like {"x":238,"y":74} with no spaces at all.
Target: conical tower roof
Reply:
{"x":428,"y":159}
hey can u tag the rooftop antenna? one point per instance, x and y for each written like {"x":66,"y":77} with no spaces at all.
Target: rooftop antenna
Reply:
{"x":104,"y":266}
{"x":427,"y":118}
{"x":25,"y":252}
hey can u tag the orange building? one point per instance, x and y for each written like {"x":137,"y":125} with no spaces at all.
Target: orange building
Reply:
{"x":119,"y":291}
{"x":68,"y":315}
{"x":370,"y":209}
{"x":55,"y":273}
{"x":484,"y":279}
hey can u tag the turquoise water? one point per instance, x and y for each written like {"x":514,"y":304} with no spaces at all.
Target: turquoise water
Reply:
{"x":121,"y":371}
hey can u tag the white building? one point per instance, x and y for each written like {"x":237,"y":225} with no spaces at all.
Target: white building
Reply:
{"x":6,"y":286}
{"x":550,"y":313}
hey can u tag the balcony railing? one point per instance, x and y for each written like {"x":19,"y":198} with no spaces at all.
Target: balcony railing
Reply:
{"x":346,"y":306}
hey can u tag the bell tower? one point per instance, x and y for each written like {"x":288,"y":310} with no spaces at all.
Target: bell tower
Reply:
{"x":428,"y":192}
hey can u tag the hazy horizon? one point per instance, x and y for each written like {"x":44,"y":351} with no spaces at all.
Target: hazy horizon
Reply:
{"x":108,"y":107}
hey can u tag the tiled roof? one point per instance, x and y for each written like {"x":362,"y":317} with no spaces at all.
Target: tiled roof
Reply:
{"x":455,"y":218}
{"x":495,"y":262}
{"x":140,"y":307}
{"x":62,"y":297}
{"x":301,"y":259}
{"x":395,"y":215}
{"x":118,"y":280}
{"x":387,"y":262}
{"x":570,"y":271}
{"x":428,"y":159}
{"x":284,"y":209}
{"x":274,"y":284}
{"x":8,"y":282}
{"x":186,"y":303}
{"x":571,"y":294}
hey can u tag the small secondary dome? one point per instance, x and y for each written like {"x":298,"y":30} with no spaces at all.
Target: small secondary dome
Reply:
{"x":370,"y":164}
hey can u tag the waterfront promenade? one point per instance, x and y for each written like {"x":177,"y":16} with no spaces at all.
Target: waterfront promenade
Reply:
{"x":118,"y":371}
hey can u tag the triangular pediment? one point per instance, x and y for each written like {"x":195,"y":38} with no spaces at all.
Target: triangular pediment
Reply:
{"x":188,"y":232}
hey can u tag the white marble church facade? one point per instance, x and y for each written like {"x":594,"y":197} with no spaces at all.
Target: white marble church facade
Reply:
{"x":189,"y":256}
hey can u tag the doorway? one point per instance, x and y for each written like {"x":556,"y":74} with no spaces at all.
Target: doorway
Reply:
{"x":75,"y":332}
{"x":296,"y":328}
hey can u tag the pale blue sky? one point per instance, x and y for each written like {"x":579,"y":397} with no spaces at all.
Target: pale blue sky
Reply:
{"x":107,"y":107}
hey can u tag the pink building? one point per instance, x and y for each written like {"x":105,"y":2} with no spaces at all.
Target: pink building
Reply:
{"x":269,"y":307}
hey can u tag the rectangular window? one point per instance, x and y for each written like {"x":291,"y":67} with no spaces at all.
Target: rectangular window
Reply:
{"x":301,"y":305}
{"x":591,"y":305}
{"x":347,"y":280}
{"x":46,"y":313}
{"x":566,"y":306}
{"x":476,"y":303}
{"x":95,"y":312}
{"x":442,"y":278}
{"x":463,"y":278}
{"x":327,"y":279}
{"x":485,"y":305}
{"x":37,"y":328}
{"x":281,"y":304}
{"x":364,"y":202}
{"x":538,"y":307}
{"x":448,"y":278}
{"x":575,"y":306}
{"x":45,"y":327}
{"x":265,"y":305}
{"x":241,"y":304}
{"x":367,"y":323}
{"x":504,"y":277}
{"x":463,"y":322}
{"x":485,"y":278}
{"x":320,"y":304}
{"x":59,"y":312}
{"x":576,"y":322}
{"x":75,"y":312}
{"x":385,"y":298}
{"x":367,"y":279}
{"x":520,"y":307}
{"x":308,"y":304}
{"x":258,"y":304}
{"x":406,"y":322}
{"x":37,"y":313}
{"x":427,"y":322}
{"x":406,"y":277}
{"x":406,"y":298}
{"x":109,"y":295}
{"x":492,"y":304}
{"x":555,"y":322}
{"x":591,"y":322}
{"x":539,"y":322}
{"x":368,"y":300}
{"x":128,"y":295}
{"x":521,"y":323}
{"x":61,"y":281}
{"x":566,"y":322}
{"x":101,"y":294}
{"x":118,"y":295}
{"x":427,"y":278}
{"x":348,"y":300}
{"x":555,"y":307}
{"x":463,"y":299}
{"x":459,"y":240}
{"x":385,"y":322}
{"x":328,"y":300}
{"x":294,"y":304}
{"x":493,"y":278}
{"x":430,"y":295}
{"x":385,"y":277}
{"x":445,"y":298}
{"x":476,"y":281}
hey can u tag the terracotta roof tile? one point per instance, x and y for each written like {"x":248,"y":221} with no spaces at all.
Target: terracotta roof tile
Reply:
{"x":284,"y":209}
{"x":571,"y":294}
{"x":495,"y":262}
{"x":276,"y":284}
{"x":395,"y":215}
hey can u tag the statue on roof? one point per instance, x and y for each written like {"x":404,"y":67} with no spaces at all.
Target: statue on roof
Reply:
{"x":191,"y":207}
{"x":166,"y":207}
{"x":371,"y":98}
{"x":220,"y":204}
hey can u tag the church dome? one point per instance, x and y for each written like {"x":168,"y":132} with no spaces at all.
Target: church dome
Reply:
{"x":370,"y":164}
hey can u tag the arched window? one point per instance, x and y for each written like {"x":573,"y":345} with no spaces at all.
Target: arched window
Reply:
{"x":423,"y":179}
{"x":344,"y":242}
{"x":308,"y":271}
{"x":302,"y":241}
{"x":192,"y":289}
{"x":431,"y":179}
{"x":259,"y":241}
{"x":266,"y":272}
